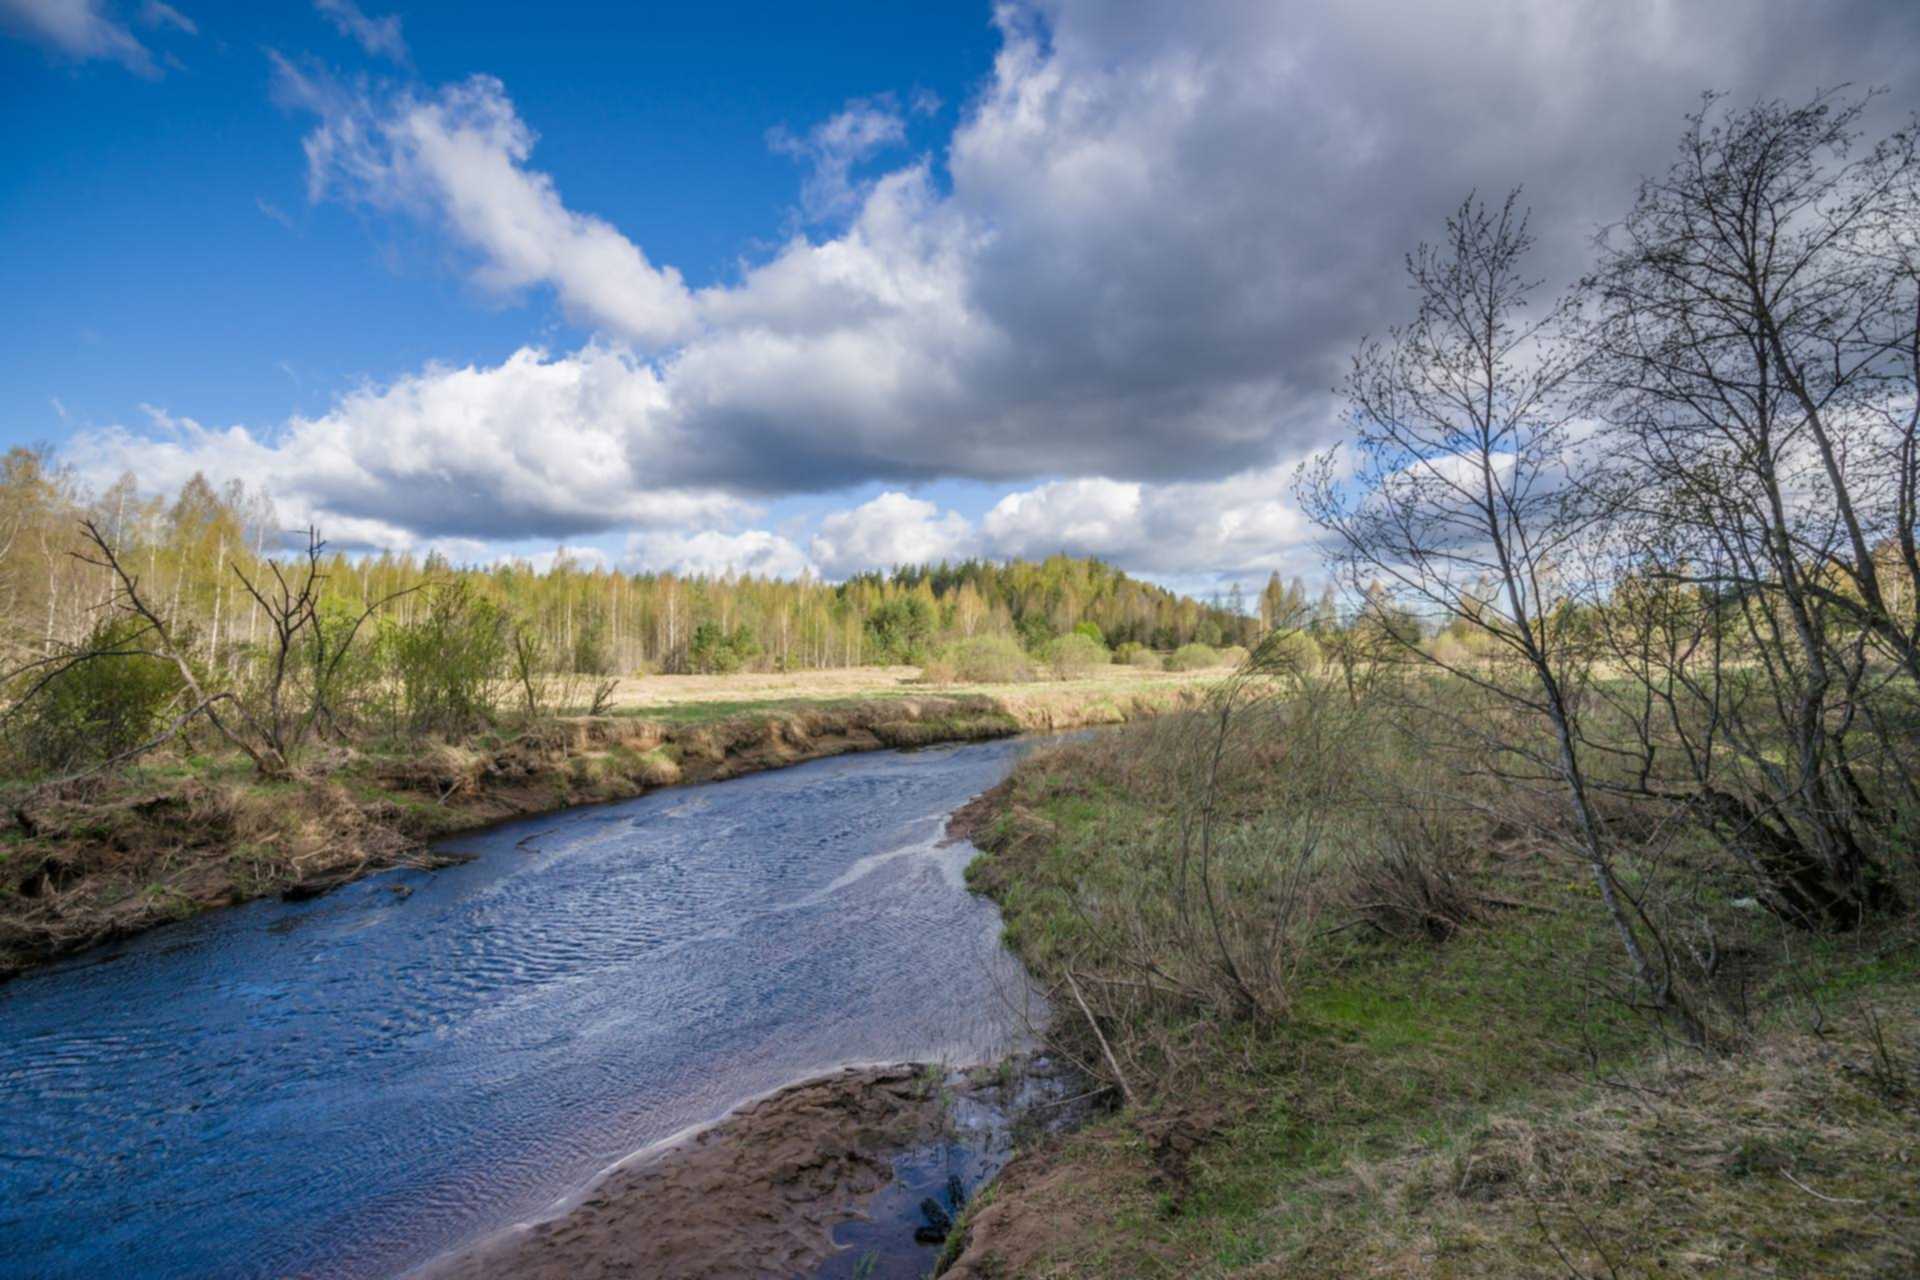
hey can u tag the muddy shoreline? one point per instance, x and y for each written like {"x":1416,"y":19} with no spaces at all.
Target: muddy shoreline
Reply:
{"x":762,"y":1191}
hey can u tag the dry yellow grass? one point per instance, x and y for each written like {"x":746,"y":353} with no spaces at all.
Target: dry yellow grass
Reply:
{"x":648,"y":693}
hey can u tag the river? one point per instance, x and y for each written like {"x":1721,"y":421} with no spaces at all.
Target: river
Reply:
{"x":354,"y":1085}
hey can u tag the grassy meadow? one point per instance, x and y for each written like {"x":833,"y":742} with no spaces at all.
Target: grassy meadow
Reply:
{"x":1403,"y":1040}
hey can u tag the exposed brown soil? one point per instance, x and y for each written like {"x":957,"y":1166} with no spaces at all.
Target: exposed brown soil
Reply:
{"x":759,"y":1193}
{"x":130,"y":854}
{"x":976,"y":815}
{"x":755,"y":1195}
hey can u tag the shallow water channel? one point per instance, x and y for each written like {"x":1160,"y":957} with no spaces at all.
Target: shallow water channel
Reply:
{"x":353,"y":1085}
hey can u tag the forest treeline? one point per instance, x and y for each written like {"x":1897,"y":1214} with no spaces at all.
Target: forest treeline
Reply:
{"x":186,"y":548}
{"x":206,"y":586}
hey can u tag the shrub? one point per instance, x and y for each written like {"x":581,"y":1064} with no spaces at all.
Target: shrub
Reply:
{"x":1193,"y":657}
{"x":1075,"y":655}
{"x":448,"y":665}
{"x":591,"y":656}
{"x":1233,"y":656}
{"x":979,"y":660}
{"x":1134,"y":654}
{"x":100,"y":706}
{"x":1289,"y":650}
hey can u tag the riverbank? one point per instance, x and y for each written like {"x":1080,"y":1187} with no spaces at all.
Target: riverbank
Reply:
{"x":1461,"y":1095}
{"x":175,"y":837}
{"x":764,"y":1190}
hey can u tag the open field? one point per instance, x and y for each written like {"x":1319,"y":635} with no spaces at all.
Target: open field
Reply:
{"x":697,"y":698}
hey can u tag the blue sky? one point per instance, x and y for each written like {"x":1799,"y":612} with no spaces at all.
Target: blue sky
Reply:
{"x":161,"y":248}
{"x":797,"y":286}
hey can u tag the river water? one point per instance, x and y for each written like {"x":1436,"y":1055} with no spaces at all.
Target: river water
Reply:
{"x":353,"y":1085}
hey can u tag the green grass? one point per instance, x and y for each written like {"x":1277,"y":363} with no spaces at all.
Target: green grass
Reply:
{"x":1471,"y":1108}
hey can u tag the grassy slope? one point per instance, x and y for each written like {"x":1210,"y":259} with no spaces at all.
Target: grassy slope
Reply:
{"x":181,"y":834}
{"x":1473,"y":1108}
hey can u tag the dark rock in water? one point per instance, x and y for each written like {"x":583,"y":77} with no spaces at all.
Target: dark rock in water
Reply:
{"x":956,"y":1193}
{"x":939,"y":1224}
{"x":401,"y":890}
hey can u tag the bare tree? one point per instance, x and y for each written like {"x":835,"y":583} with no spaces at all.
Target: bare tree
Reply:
{"x":301,"y":669}
{"x":306,"y":655}
{"x":1462,"y":506}
{"x":220,"y":707}
{"x":1755,"y":328}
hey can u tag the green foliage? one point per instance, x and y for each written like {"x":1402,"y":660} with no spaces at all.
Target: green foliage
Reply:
{"x":98,"y":706}
{"x":1193,"y":657}
{"x":1035,"y":631}
{"x":1091,"y":630}
{"x":1134,"y":654}
{"x":900,"y":630}
{"x":340,"y":664}
{"x":715,"y":651}
{"x":1075,"y":655}
{"x":980,"y":660}
{"x":591,"y":657}
{"x":1290,"y":649}
{"x":447,"y":665}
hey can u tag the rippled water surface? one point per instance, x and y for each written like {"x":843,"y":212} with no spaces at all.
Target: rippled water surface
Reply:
{"x":353,"y":1085}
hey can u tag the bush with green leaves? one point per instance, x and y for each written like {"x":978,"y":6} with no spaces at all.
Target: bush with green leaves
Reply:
{"x":591,"y":655}
{"x":1135,"y":654}
{"x":1034,"y":630}
{"x":1289,"y":649}
{"x":338,"y":668}
{"x":109,"y":699}
{"x":979,"y":660}
{"x":1193,"y":657}
{"x":1075,"y":655}
{"x":448,"y":666}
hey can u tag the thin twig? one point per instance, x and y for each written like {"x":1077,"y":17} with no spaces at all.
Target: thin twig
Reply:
{"x":1112,"y":1063}
{"x":1816,"y":1195}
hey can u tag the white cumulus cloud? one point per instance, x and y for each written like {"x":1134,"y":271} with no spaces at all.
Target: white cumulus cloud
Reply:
{"x":459,"y":156}
{"x":891,"y":529}
{"x":712,"y":552}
